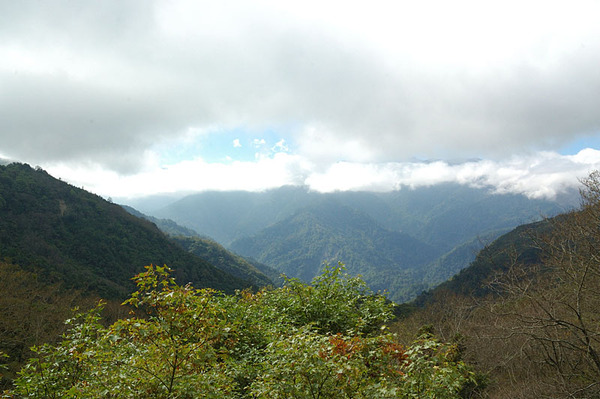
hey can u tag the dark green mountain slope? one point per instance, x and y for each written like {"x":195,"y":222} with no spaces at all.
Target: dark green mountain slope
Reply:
{"x":259,"y":274}
{"x":70,"y":235}
{"x":494,"y":259}
{"x":329,"y":231}
{"x":205,"y":248}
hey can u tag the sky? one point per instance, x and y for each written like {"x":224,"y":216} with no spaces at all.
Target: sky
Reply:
{"x":133,"y":98}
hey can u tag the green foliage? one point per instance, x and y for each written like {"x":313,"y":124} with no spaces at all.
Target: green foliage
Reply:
{"x":312,"y":365}
{"x":334,"y":303}
{"x":428,"y":371}
{"x":321,"y":341}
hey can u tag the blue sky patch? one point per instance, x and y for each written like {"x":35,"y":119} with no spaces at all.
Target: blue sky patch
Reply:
{"x":573,"y":147}
{"x":224,"y":146}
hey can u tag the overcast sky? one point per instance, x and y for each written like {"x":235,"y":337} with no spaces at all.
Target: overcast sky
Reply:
{"x":131,"y":98}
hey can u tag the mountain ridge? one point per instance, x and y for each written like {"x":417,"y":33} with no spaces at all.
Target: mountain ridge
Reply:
{"x":329,"y":232}
{"x":70,"y":235}
{"x":451,"y":218}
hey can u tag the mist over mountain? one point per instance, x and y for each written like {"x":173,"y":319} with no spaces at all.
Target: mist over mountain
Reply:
{"x":444,"y":214}
{"x":437,"y":229}
{"x":329,"y":231}
{"x":206,"y":248}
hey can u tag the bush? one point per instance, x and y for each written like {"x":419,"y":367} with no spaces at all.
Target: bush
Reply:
{"x":324,"y":340}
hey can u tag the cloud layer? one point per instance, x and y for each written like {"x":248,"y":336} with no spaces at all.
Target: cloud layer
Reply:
{"x":91,"y":80}
{"x":352,"y":88}
{"x":544,"y":175}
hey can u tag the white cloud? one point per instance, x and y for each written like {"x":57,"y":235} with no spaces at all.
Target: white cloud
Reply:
{"x":280,"y":146}
{"x":187,"y":176}
{"x":258,"y":143}
{"x":379,"y":82}
{"x":542,"y":175}
{"x":106,"y":92}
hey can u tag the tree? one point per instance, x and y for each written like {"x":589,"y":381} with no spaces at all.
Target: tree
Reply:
{"x":32,"y":313}
{"x":552,"y":307}
{"x":327,"y":340}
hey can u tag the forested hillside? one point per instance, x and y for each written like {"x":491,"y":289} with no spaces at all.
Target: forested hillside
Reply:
{"x":330,"y":231}
{"x":416,"y":239}
{"x":71,"y":236}
{"x":62,"y":247}
{"x":257,"y":273}
{"x":526,"y":311}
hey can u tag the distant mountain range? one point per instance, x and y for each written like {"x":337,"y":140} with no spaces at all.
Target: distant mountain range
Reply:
{"x":404,"y":241}
{"x":61,"y":246}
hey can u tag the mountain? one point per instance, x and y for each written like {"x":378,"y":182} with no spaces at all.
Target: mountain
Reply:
{"x":71,"y":236}
{"x":493,"y":260}
{"x":525,"y":311}
{"x":444,"y":215}
{"x":227,"y":216}
{"x":259,"y":274}
{"x":167,"y":226}
{"x":451,"y":219}
{"x":330,"y":231}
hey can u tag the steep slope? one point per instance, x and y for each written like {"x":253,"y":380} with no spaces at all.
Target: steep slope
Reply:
{"x":167,"y":226}
{"x":329,"y":231}
{"x":75,"y":237}
{"x":526,"y":309}
{"x":226,"y":216}
{"x":493,"y":260}
{"x":259,"y":274}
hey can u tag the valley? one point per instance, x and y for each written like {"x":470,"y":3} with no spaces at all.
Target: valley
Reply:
{"x":402,"y":242}
{"x":476,"y":290}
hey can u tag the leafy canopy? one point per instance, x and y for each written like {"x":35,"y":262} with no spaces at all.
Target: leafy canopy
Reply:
{"x":325,"y":340}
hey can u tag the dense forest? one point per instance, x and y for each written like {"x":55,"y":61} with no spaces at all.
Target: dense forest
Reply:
{"x":71,"y":236}
{"x":404,"y":241}
{"x":521,"y":321}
